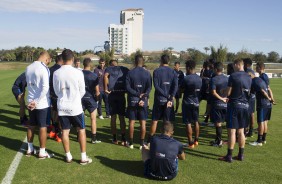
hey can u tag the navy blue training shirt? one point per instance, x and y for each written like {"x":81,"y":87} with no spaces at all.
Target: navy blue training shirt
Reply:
{"x":91,"y":81}
{"x":138,"y":81}
{"x":180,"y":76}
{"x":117,"y":78}
{"x":219,"y":84}
{"x":20,"y":83}
{"x":166,"y":84}
{"x":163,"y":154}
{"x":241,"y":84}
{"x":264,"y":77}
{"x":258,"y":85}
{"x":191,"y":84}
{"x":52,"y":70}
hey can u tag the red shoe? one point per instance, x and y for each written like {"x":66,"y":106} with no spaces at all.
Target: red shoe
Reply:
{"x":58,"y":139}
{"x":196,"y":143}
{"x":52,"y":135}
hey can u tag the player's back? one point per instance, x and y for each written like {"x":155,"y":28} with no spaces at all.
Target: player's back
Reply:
{"x":191,"y":84}
{"x":91,"y":81}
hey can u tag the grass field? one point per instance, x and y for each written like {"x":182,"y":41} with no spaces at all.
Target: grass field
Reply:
{"x":117,"y":164}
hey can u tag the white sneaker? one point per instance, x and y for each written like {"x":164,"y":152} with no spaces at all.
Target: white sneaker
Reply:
{"x":45,"y":155}
{"x":255,"y":143}
{"x":263,"y":142}
{"x":85,"y":162}
{"x":101,"y":117}
{"x":140,"y":147}
{"x":131,"y":146}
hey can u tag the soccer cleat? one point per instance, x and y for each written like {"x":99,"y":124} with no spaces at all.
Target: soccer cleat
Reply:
{"x":68,"y":160}
{"x":114,"y":141}
{"x":131,"y":146}
{"x":196,"y":143}
{"x":85,"y":162}
{"x":263,"y":142}
{"x":58,"y":139}
{"x":226,"y":158}
{"x":217,"y":145}
{"x":52,"y":134}
{"x":45,"y":155}
{"x":101,"y":117}
{"x":29,"y":153}
{"x":140,"y":147}
{"x":255,"y":143}
{"x":108,"y":116}
{"x":239,"y":157}
{"x":125,"y":143}
{"x":190,"y":146}
{"x":249,"y":134}
{"x":95,"y":141}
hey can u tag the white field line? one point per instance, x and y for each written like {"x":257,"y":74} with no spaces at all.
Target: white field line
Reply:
{"x":14,"y":165}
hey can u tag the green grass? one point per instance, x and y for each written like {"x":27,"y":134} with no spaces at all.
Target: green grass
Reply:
{"x":117,"y":164}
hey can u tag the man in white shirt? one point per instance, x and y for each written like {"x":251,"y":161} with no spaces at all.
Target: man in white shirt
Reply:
{"x":37,"y":78}
{"x":69,"y":86}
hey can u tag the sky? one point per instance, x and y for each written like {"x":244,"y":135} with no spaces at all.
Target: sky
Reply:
{"x":252,"y":25}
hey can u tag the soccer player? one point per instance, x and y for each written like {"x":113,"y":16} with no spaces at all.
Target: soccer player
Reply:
{"x":138,"y":85}
{"x":55,"y":129}
{"x":100,"y":72}
{"x":180,"y":76}
{"x":166,"y":86}
{"x":238,"y":92}
{"x":161,"y":159}
{"x":76,"y":64}
{"x":18,"y":90}
{"x":89,"y":100}
{"x":114,"y":84}
{"x":37,"y":79}
{"x":191,"y":85}
{"x":252,"y":101}
{"x":218,"y":86}
{"x":264,"y":106}
{"x":69,"y":86}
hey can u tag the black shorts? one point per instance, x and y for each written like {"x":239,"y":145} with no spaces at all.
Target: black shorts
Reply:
{"x":190,"y":113}
{"x":89,"y":103}
{"x":117,"y":104}
{"x":75,"y":121}
{"x":237,"y":118}
{"x":218,"y":115}
{"x":16,"y":92}
{"x":263,"y":114}
{"x":137,"y":113}
{"x":40,"y":117}
{"x":54,"y":103}
{"x":161,"y":112}
{"x":252,"y":104}
{"x":178,"y":94}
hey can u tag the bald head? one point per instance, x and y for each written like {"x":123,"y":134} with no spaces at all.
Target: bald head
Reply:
{"x":45,"y":57}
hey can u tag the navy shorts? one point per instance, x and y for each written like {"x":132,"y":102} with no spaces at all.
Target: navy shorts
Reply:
{"x":237,"y":118}
{"x":89,"y":103}
{"x":148,"y":171}
{"x":40,"y":117}
{"x":137,"y":113}
{"x":252,"y":104}
{"x":54,"y":103}
{"x":16,"y":92}
{"x":161,"y":112}
{"x":218,"y":115}
{"x":190,"y":113}
{"x":263,"y":114}
{"x":117,"y":103}
{"x":75,"y":121}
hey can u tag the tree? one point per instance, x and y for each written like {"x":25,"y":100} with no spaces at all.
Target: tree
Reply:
{"x":230,"y":56}
{"x":195,"y":54}
{"x":206,"y":49}
{"x":273,"y":57}
{"x":107,"y":56}
{"x":259,"y":56}
{"x":219,"y":54}
{"x":244,"y":53}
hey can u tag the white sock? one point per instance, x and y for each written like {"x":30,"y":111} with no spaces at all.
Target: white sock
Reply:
{"x":69,"y":156}
{"x":42,"y":151}
{"x":83,"y":156}
{"x":30,"y":147}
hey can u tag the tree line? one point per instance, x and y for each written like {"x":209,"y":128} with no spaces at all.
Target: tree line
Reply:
{"x":221,"y":53}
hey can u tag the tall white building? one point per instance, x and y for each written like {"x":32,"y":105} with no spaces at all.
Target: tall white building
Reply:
{"x":127,"y":37}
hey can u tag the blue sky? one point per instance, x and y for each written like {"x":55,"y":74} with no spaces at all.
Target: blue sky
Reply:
{"x":254,"y":25}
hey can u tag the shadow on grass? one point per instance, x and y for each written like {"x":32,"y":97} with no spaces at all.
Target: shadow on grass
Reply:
{"x":129,"y":167}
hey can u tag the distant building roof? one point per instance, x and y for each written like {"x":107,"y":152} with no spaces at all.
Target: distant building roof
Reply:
{"x":133,"y":9}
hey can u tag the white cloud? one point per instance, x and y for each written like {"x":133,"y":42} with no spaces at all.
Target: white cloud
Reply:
{"x":48,"y":6}
{"x":170,"y":37}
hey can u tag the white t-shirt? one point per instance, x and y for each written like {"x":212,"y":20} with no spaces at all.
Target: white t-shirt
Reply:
{"x":69,"y":86}
{"x":37,"y":79}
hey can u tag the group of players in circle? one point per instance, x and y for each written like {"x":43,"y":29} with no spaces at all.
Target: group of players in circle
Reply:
{"x":63,"y":92}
